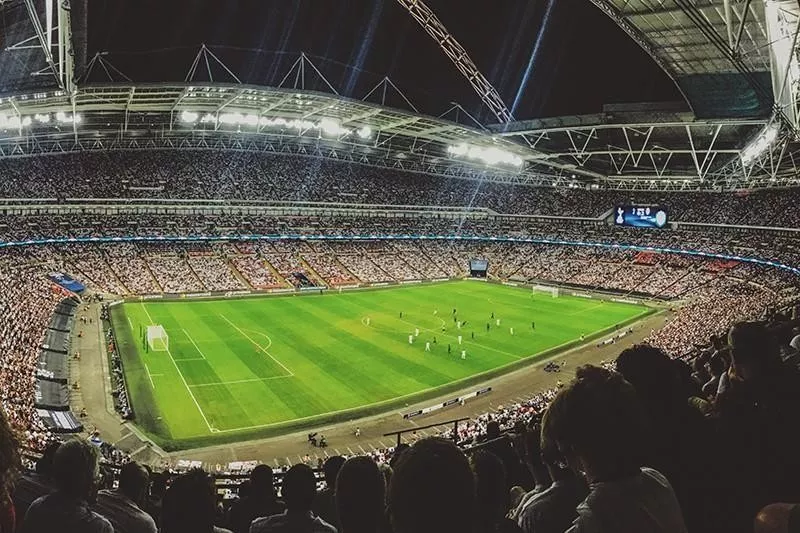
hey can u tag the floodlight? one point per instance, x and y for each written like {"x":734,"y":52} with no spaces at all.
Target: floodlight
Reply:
{"x":364,"y":132}
{"x":189,"y":117}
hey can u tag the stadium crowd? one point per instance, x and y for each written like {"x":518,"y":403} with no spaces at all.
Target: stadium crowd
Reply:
{"x":283,"y":178}
{"x":648,"y":444}
{"x":696,"y":431}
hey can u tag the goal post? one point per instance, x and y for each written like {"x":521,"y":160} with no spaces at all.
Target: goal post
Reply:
{"x":553,"y":291}
{"x":157,"y":338}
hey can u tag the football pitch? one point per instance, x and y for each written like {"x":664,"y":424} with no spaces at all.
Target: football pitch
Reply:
{"x":251,"y":367}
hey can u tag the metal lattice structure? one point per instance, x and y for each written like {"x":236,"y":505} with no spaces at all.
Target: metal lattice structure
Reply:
{"x":453,"y":49}
{"x":748,"y":48}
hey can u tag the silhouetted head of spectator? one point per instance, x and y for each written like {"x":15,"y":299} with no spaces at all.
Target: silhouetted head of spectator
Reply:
{"x":717,"y":364}
{"x":331,"y":469}
{"x":754,"y":353}
{"x":9,"y":456}
{"x":44,"y":466}
{"x":262,"y":481}
{"x":492,"y":430}
{"x":596,"y":422}
{"x":432,"y":489}
{"x":398,"y":451}
{"x":76,"y":468}
{"x":652,"y":374}
{"x":189,"y":505}
{"x":158,"y":485}
{"x":245,"y":489}
{"x":492,"y":496}
{"x":359,"y":496}
{"x":134,"y":481}
{"x":299,"y":488}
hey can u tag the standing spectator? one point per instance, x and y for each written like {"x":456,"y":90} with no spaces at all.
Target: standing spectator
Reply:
{"x":500,"y":445}
{"x":360,"y":500}
{"x":491,"y":495}
{"x":9,"y":466}
{"x":189,"y":505}
{"x":123,"y":506}
{"x":758,"y":417}
{"x":75,"y":470}
{"x":158,"y":486}
{"x":299,"y":488}
{"x":597,"y":424}
{"x":33,"y":485}
{"x":261,"y":500}
{"x":325,"y":500}
{"x":432,"y":489}
{"x":554,"y":509}
{"x":680,"y":438}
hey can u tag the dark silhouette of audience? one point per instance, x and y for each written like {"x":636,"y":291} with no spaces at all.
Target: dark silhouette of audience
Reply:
{"x":492,"y":497}
{"x":360,"y":496}
{"x":325,"y":501}
{"x":189,"y":505}
{"x":123,"y":506}
{"x":299,"y":489}
{"x":260,"y":500}
{"x":75,"y":472}
{"x":432,"y":489}
{"x":598,"y":425}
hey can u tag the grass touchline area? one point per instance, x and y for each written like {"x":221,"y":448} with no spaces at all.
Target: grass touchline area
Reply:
{"x":234,"y":369}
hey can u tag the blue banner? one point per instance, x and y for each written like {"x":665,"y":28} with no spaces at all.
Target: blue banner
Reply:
{"x":67,"y":282}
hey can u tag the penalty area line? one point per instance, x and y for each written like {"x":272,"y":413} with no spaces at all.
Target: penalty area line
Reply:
{"x":240,"y":330}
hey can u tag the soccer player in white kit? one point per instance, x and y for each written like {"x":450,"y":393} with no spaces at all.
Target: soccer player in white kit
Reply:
{"x":463,"y":354}
{"x":427,"y":346}
{"x":459,"y":339}
{"x":411,"y":339}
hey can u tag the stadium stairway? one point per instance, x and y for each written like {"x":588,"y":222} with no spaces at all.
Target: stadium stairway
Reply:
{"x":274,"y":271}
{"x":152,"y":275}
{"x":194,"y":273}
{"x":238,"y":275}
{"x":316,"y":278}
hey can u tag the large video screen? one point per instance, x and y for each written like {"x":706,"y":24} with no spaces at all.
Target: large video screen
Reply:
{"x":478,"y":264}
{"x":640,"y":216}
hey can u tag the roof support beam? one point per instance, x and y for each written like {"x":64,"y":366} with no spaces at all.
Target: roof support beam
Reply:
{"x":453,"y":49}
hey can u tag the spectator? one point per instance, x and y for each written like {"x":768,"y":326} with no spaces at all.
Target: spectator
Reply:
{"x":597,"y":424}
{"x":325,"y":500}
{"x":492,"y":497}
{"x":778,"y":518}
{"x":158,"y":486}
{"x":123,"y":506}
{"x":9,"y":466}
{"x":75,"y":471}
{"x":299,"y":489}
{"x":260,"y":500}
{"x":680,"y":440}
{"x":33,"y":485}
{"x":500,"y":446}
{"x":189,"y":505}
{"x":432,"y":489}
{"x":360,"y":499}
{"x":553,"y":510}
{"x":758,"y":416}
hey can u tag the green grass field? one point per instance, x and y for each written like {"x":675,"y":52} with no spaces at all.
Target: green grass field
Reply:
{"x":243,"y":368}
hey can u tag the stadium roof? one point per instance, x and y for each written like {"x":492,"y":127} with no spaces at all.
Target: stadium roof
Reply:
{"x":735,"y":142}
{"x":718,"y":52}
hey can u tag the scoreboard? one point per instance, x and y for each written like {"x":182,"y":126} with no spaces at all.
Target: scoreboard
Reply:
{"x":640,"y":216}
{"x":478,"y":268}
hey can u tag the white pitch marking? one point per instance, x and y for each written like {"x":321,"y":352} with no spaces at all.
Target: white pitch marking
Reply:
{"x":252,"y":380}
{"x":171,"y":358}
{"x":194,"y":343}
{"x":257,"y":345}
{"x":149,"y":375}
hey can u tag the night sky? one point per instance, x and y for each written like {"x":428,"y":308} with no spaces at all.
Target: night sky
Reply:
{"x":545,"y":57}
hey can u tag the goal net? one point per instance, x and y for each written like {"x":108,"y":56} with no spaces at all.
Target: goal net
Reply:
{"x":157,"y":338}
{"x":553,"y":291}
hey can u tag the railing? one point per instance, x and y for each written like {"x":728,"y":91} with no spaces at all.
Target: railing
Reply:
{"x":399,"y":433}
